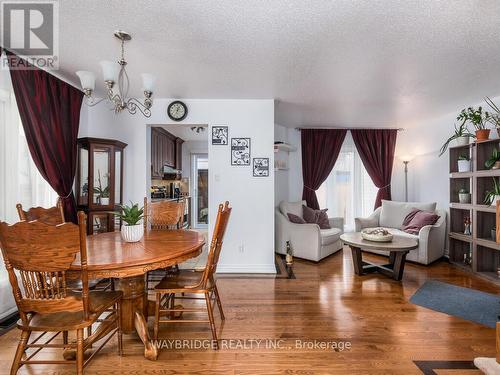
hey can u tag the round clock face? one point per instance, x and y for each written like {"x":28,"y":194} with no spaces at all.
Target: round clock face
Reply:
{"x":177,"y":111}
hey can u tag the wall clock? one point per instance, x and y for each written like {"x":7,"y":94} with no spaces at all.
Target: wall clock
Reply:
{"x":177,"y":110}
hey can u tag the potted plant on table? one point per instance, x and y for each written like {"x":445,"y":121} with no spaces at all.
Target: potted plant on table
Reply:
{"x":463,"y":196}
{"x":463,"y":163}
{"x":132,"y":230}
{"x":461,"y":136}
{"x":493,"y":195}
{"x":478,"y":119}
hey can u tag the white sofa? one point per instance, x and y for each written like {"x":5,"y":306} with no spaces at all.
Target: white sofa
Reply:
{"x":308,"y":241}
{"x":431,"y":238}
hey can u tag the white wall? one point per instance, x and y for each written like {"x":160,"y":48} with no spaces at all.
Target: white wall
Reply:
{"x":249,"y":242}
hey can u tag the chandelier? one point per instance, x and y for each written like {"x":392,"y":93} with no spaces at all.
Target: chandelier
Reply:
{"x":117,"y":84}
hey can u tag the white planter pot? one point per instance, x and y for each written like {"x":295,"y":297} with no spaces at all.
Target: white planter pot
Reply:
{"x":464,"y":165}
{"x":132,"y":233}
{"x":462,"y":141}
{"x":104,"y":201}
{"x":494,"y":202}
{"x":464,"y":197}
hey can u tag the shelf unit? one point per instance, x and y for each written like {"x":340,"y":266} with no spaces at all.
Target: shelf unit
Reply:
{"x":478,"y":253}
{"x":281,"y":161}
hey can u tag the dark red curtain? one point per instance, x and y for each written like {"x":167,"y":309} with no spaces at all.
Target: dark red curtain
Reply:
{"x":50,"y":113}
{"x":320,"y":150}
{"x":376,"y":150}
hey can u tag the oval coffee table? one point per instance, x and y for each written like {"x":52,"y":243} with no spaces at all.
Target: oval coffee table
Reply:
{"x":397,"y":249}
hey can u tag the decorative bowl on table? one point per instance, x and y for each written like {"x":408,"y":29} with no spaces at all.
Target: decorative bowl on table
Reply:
{"x":376,"y":235}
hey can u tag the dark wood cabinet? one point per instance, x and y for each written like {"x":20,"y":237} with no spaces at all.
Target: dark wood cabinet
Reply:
{"x":166,"y":150}
{"x":99,"y":182}
{"x":178,"y":153}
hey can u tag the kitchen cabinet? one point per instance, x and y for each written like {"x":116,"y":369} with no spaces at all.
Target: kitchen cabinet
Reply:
{"x":166,"y":150}
{"x":178,"y":153}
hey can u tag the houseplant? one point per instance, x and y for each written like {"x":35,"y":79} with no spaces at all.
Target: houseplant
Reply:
{"x":461,"y":136}
{"x":478,"y":119}
{"x":463,"y":196}
{"x":495,"y":115}
{"x":102,"y":193}
{"x":133,"y":229}
{"x":463,"y":163}
{"x":493,"y":195}
{"x":494,"y":161}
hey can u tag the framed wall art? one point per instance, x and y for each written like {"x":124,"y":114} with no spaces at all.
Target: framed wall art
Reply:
{"x":220,"y":135}
{"x":261,"y":167}
{"x":240,"y":151}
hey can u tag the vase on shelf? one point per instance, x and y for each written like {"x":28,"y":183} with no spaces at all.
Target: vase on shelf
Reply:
{"x":482,"y":135}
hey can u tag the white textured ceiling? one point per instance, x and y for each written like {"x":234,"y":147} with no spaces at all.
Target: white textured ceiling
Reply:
{"x":327,"y":63}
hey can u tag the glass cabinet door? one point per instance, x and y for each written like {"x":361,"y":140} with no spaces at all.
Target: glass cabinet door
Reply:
{"x":82,"y":194}
{"x":101,"y":172}
{"x":118,"y":177}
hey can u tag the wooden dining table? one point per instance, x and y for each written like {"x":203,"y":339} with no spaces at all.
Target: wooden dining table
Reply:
{"x":108,"y":256}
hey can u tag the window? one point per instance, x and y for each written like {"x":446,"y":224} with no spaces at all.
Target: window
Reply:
{"x":348,"y":191}
{"x":20,"y":181}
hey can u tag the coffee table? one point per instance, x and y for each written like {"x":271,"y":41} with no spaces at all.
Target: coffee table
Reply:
{"x":397,"y":249}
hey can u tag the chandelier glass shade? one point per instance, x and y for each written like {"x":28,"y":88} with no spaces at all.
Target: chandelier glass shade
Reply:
{"x":117,"y":84}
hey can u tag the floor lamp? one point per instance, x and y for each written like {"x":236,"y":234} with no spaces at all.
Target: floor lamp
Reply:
{"x":406,"y":161}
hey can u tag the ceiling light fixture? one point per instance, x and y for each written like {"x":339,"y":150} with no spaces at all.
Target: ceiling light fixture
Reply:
{"x":117,"y":84}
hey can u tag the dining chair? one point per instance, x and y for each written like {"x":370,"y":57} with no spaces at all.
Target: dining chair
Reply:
{"x":53,"y":215}
{"x":38,"y":257}
{"x":192,"y":282}
{"x":162,"y":215}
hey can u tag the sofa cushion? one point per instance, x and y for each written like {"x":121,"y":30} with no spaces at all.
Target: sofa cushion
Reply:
{"x":417,"y":219}
{"x":393,"y":213}
{"x":295,"y":219}
{"x":294,"y":208}
{"x":329,"y":236}
{"x":313,"y":216}
{"x":399,"y":232}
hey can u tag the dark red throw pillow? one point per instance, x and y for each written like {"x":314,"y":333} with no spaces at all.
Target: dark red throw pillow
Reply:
{"x":296,"y":219}
{"x":417,"y":219}
{"x":316,"y":217}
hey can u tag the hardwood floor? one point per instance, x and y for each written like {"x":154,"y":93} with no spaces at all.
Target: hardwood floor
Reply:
{"x":325,"y":302}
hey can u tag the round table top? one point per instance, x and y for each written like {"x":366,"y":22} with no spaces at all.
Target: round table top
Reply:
{"x":109,"y":256}
{"x":398,"y":243}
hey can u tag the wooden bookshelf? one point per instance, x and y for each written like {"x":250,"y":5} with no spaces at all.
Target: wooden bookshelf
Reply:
{"x":478,"y":253}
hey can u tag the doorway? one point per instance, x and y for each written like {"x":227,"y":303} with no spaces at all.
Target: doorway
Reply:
{"x":199,"y":180}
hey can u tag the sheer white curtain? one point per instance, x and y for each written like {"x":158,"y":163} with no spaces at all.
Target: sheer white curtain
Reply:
{"x":20,"y":181}
{"x":348,"y":191}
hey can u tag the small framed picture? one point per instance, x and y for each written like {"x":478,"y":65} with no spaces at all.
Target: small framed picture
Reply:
{"x":261,"y":167}
{"x":240,"y":151}
{"x":220,"y":135}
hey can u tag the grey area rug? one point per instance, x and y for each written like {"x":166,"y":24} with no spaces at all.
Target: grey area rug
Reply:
{"x":465,"y":303}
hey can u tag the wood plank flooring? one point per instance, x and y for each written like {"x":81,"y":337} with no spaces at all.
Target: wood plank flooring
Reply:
{"x":326,"y":302}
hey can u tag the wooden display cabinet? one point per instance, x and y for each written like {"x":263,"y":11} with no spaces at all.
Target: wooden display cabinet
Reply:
{"x":99,"y":182}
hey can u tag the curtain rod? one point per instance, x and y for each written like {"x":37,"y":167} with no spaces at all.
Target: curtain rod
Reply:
{"x":341,"y":128}
{"x":55,"y":73}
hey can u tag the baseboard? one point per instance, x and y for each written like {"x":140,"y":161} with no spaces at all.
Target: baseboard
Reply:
{"x":246,"y":268}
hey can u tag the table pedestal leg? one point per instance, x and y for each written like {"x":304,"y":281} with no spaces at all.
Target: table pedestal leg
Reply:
{"x":135,"y":311}
{"x":357,"y":260}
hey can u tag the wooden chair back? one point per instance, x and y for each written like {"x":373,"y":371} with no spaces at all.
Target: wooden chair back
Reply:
{"x":223,"y":214}
{"x":163,"y":214}
{"x":53,"y":215}
{"x":42,"y":254}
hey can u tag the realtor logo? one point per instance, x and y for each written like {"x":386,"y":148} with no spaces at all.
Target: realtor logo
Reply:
{"x":30,"y":29}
